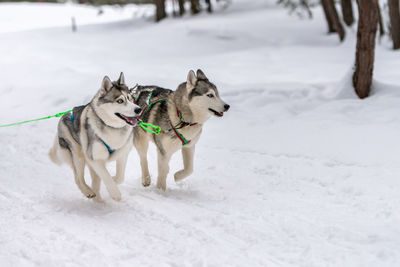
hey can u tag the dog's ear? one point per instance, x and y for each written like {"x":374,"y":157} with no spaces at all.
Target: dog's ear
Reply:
{"x":132,"y":90}
{"x":201,"y":75}
{"x":106,"y":85}
{"x":191,"y":81}
{"x":121,"y":79}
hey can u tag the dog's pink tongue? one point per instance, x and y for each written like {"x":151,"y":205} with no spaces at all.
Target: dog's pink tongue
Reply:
{"x":130,"y":120}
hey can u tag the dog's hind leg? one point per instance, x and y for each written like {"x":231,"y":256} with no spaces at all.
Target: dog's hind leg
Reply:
{"x":53,"y":152}
{"x":78,"y":166}
{"x":142,"y":144}
{"x":163,"y":169}
{"x":96,"y":183}
{"x":187,"y":155}
{"x":100,"y":168}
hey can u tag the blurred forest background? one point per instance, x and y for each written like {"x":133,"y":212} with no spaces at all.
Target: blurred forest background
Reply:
{"x":338,"y":15}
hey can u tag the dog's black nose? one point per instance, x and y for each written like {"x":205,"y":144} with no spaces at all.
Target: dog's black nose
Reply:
{"x":226,"y":106}
{"x":138,"y":110}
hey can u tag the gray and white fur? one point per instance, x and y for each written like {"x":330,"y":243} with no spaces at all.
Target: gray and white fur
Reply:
{"x":84,"y":135}
{"x":197,"y":100}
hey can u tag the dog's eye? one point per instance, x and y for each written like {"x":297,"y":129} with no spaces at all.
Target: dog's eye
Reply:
{"x":120,"y":101}
{"x":210,"y":95}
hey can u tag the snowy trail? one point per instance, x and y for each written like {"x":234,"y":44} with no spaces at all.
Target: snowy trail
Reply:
{"x":295,"y":174}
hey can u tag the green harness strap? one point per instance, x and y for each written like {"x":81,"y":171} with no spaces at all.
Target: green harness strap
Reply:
{"x":156,"y":129}
{"x":39,"y":119}
{"x":148,"y":127}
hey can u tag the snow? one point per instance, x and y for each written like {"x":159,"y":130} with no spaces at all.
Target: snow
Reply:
{"x":298,"y":173}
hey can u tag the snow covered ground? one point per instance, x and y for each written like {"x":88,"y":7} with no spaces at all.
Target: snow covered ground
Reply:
{"x":298,"y":173}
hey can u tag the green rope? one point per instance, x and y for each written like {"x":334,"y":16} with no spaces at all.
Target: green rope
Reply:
{"x":148,"y":127}
{"x":39,"y":119}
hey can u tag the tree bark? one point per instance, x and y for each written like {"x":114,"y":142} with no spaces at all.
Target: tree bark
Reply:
{"x":394,"y":14}
{"x":329,"y":21}
{"x":365,"y":53}
{"x":331,"y":13}
{"x":181,"y":7}
{"x":160,"y":10}
{"x":195,"y":6}
{"x":347,"y":11}
{"x":381,"y":28}
{"x":209,"y":6}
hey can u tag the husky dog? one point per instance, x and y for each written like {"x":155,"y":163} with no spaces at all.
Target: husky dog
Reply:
{"x":96,"y":133}
{"x":181,"y":115}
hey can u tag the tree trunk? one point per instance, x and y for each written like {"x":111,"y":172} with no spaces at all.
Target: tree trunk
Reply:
{"x":181,"y":7}
{"x":394,"y":14}
{"x":347,"y":11}
{"x":381,"y":28}
{"x":174,"y":12}
{"x":194,"y":6}
{"x":209,"y":6}
{"x":331,"y":12}
{"x":160,"y":10}
{"x":306,"y":6}
{"x":365,"y":53}
{"x":329,"y":21}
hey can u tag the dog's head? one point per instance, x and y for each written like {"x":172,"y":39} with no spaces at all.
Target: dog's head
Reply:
{"x":113,"y":103}
{"x":203,"y":95}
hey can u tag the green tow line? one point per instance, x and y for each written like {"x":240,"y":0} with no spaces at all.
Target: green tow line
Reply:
{"x":44,"y":118}
{"x":146,"y":126}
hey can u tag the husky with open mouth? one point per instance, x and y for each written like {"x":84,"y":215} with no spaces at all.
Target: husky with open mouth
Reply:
{"x":181,"y":115}
{"x":96,"y":133}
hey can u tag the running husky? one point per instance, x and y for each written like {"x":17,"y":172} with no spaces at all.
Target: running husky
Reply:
{"x":181,"y":114}
{"x":96,"y":133}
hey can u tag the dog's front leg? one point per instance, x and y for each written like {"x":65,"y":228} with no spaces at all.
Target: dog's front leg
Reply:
{"x":100,"y":168}
{"x":141,"y":144}
{"x":96,"y":182}
{"x":163,"y":169}
{"x":121,"y":166}
{"x":187,"y":155}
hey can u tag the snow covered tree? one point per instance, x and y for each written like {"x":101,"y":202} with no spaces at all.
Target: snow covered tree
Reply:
{"x":365,"y":53}
{"x":394,"y":14}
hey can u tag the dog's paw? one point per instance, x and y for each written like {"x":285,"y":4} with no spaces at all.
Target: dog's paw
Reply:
{"x":146,"y":181}
{"x":118,"y":180}
{"x":87,"y":192}
{"x":180,"y":175}
{"x":98,"y":199}
{"x":116,"y":196}
{"x":91,"y":195}
{"x":161,"y":185}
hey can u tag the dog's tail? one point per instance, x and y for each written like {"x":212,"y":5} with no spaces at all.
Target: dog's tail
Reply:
{"x":53,"y":152}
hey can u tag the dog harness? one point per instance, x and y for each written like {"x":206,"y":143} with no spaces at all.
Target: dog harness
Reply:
{"x":182,"y":123}
{"x":110,"y":150}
